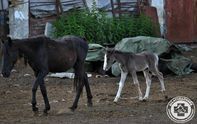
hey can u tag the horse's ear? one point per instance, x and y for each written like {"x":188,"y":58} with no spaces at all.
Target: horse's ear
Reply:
{"x":9,"y":41}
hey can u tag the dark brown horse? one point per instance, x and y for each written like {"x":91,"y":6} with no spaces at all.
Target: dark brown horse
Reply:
{"x":45,"y":55}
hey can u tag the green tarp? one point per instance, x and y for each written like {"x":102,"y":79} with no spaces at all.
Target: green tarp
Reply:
{"x":95,"y":53}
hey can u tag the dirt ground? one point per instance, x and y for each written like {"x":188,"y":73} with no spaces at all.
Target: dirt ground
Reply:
{"x":15,"y":100}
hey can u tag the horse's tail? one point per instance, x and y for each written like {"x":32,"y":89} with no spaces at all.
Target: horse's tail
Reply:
{"x":75,"y":84}
{"x":84,"y":38}
{"x":78,"y":82}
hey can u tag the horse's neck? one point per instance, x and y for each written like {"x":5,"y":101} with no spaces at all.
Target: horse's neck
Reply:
{"x":23,"y":46}
{"x":120,"y":58}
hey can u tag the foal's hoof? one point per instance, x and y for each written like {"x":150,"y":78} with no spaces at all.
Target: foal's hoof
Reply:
{"x":144,"y":100}
{"x":166,"y":97}
{"x":115,"y":102}
{"x":141,"y":99}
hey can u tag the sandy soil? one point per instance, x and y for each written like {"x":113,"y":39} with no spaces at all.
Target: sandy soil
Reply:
{"x":15,"y":100}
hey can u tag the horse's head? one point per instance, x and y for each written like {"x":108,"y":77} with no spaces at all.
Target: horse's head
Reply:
{"x":108,"y":59}
{"x":10,"y":54}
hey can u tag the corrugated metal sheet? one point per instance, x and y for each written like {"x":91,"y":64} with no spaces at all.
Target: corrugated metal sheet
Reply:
{"x":45,"y":11}
{"x":180,"y":16}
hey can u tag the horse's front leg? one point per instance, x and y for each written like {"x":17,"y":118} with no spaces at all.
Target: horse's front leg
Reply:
{"x":40,"y":81}
{"x":34,"y":89}
{"x":148,"y":84}
{"x":121,"y":85}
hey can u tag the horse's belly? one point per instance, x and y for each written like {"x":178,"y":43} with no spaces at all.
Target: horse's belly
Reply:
{"x":60,"y":66}
{"x":141,"y":67}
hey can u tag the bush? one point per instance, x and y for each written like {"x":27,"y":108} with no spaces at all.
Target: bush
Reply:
{"x":96,"y":27}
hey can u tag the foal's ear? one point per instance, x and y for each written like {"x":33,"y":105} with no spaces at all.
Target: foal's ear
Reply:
{"x":9,"y":41}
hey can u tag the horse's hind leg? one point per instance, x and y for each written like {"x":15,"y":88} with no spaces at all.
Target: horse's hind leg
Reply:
{"x":88,"y":91}
{"x":148,"y":83}
{"x":136,"y":82}
{"x":79,"y":78}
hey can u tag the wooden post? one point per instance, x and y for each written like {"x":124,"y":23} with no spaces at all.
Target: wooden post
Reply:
{"x":57,"y":8}
{"x":119,"y":7}
{"x":112,"y":7}
{"x":60,"y":6}
{"x":85,"y":4}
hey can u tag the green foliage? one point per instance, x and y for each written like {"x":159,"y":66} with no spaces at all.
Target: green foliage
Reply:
{"x":96,"y":27}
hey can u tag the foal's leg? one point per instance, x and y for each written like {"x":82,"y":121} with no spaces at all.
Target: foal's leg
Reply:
{"x":161,"y":79}
{"x":136,"y":82}
{"x":148,"y":83}
{"x":121,"y":85}
{"x":88,"y":91}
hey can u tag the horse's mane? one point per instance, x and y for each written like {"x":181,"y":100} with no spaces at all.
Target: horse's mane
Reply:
{"x":31,"y":40}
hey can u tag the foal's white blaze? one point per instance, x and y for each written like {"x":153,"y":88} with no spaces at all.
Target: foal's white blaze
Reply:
{"x":105,"y":62}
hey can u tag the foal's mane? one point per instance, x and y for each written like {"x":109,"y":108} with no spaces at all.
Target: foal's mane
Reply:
{"x":121,"y":52}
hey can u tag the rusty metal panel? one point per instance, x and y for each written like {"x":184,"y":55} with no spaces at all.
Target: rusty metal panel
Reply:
{"x":195,"y":20}
{"x":152,"y":13}
{"x":179,"y":20}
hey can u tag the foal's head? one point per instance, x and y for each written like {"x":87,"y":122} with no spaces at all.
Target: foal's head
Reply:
{"x":10,"y":55}
{"x":109,"y":59}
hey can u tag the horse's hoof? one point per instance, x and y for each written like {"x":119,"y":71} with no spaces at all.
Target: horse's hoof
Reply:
{"x":35,"y":109}
{"x":45,"y":113}
{"x":166,"y":97}
{"x":72,"y":108}
{"x":90,"y":104}
{"x":144,"y":100}
{"x":36,"y":113}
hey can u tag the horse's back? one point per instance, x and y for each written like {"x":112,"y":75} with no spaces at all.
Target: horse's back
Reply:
{"x":65,"y":52}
